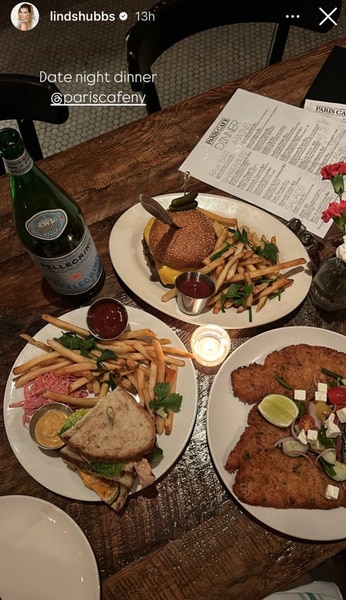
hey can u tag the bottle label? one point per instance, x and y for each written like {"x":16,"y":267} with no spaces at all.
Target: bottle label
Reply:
{"x":47,"y":224}
{"x":19,"y":166}
{"x":74,"y":273}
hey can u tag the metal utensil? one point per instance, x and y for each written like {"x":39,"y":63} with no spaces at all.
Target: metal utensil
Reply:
{"x":156,"y":209}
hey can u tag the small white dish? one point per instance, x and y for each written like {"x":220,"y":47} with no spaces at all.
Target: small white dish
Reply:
{"x":44,"y":554}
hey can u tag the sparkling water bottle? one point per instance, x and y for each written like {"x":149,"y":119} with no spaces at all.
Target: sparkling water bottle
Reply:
{"x":50,"y":224}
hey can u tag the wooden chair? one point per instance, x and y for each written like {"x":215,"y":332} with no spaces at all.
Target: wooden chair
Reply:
{"x":170,"y":21}
{"x":25,"y":99}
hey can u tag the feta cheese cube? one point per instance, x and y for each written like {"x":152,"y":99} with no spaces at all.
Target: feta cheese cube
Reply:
{"x":332,"y":430}
{"x":315,"y":445}
{"x":332,"y":492}
{"x":302,"y":437}
{"x":320,"y":396}
{"x":341,"y":413}
{"x":322,"y":387}
{"x":300,"y":395}
{"x":312,"y":435}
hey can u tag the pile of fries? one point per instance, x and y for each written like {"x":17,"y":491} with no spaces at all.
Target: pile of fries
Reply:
{"x":142,"y":360}
{"x":235,"y":260}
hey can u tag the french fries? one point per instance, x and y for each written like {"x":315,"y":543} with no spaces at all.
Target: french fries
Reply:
{"x":244,"y":273}
{"x":137,"y":360}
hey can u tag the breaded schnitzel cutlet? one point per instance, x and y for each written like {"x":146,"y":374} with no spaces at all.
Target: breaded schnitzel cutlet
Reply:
{"x":264,"y":475}
{"x":298,"y":365}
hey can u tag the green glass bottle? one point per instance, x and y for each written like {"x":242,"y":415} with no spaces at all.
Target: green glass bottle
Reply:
{"x":50,"y":224}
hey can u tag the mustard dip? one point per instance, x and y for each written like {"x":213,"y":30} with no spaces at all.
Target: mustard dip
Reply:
{"x":48,"y":427}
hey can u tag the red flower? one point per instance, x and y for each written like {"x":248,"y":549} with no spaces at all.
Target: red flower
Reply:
{"x":332,"y":211}
{"x":335,"y":210}
{"x":330,"y":171}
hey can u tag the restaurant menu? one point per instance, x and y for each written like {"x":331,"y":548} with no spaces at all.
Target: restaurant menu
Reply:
{"x":331,"y":109}
{"x":270,"y":154}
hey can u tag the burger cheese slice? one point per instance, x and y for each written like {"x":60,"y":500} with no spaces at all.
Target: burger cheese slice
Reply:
{"x":171,"y":251}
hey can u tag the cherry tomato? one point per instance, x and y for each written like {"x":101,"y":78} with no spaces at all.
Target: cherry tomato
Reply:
{"x":337,"y":394}
{"x":306,"y":422}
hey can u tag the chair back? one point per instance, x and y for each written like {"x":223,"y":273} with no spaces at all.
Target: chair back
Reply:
{"x":170,"y":21}
{"x":26,"y":99}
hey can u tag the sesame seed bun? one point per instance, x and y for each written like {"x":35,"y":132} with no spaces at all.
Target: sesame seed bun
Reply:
{"x":185,"y":247}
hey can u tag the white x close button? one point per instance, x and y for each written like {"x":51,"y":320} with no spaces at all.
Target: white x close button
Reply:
{"x":327,"y":16}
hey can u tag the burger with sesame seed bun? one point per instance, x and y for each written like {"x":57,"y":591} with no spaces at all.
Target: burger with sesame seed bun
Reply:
{"x":170,"y":251}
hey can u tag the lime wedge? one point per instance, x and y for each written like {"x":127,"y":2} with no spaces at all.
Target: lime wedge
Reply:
{"x":278,"y":410}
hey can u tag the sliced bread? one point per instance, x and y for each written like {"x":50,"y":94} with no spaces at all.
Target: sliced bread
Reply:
{"x":117,"y":429}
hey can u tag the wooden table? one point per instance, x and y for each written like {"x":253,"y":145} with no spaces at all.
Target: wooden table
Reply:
{"x":187,"y":538}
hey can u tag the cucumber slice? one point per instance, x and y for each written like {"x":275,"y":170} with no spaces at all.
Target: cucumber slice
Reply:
{"x":330,"y":457}
{"x":290,"y":447}
{"x":340,"y":471}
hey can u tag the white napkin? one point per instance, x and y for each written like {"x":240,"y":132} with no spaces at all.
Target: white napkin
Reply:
{"x":316,"y":590}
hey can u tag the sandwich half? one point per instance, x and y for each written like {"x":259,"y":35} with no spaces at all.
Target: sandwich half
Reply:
{"x":109,"y":447}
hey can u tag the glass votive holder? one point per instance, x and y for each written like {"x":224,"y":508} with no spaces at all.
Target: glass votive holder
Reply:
{"x":210,"y":345}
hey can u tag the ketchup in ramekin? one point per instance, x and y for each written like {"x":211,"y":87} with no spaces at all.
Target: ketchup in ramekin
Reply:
{"x":195,"y":288}
{"x":193,"y":291}
{"x":107,"y":318}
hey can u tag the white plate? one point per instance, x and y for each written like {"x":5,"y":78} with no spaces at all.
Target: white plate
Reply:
{"x":49,"y":470}
{"x":44,"y":554}
{"x":126,"y":240}
{"x":227,"y":418}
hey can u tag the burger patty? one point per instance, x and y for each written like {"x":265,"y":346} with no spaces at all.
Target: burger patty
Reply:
{"x":150,"y":262}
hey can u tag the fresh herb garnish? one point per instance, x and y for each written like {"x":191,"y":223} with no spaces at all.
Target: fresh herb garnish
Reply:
{"x":240,"y":236}
{"x":331,"y":373}
{"x":220,"y":252}
{"x":86,"y":346}
{"x":105,"y":355}
{"x":238,"y":293}
{"x":277,"y":295}
{"x":163,"y":400}
{"x":283,"y":382}
{"x":73,"y":341}
{"x":269,"y":251}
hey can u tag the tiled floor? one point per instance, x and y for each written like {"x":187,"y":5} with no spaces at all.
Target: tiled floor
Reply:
{"x":192,"y":66}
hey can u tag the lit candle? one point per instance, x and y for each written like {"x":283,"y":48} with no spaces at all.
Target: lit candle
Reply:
{"x":210,"y":345}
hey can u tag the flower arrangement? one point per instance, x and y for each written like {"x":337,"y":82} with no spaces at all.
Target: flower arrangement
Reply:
{"x":335,"y":173}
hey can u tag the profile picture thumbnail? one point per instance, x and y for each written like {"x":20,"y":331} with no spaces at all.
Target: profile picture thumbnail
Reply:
{"x":24,"y":16}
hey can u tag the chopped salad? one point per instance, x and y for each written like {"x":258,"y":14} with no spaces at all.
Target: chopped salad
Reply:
{"x":318,"y":432}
